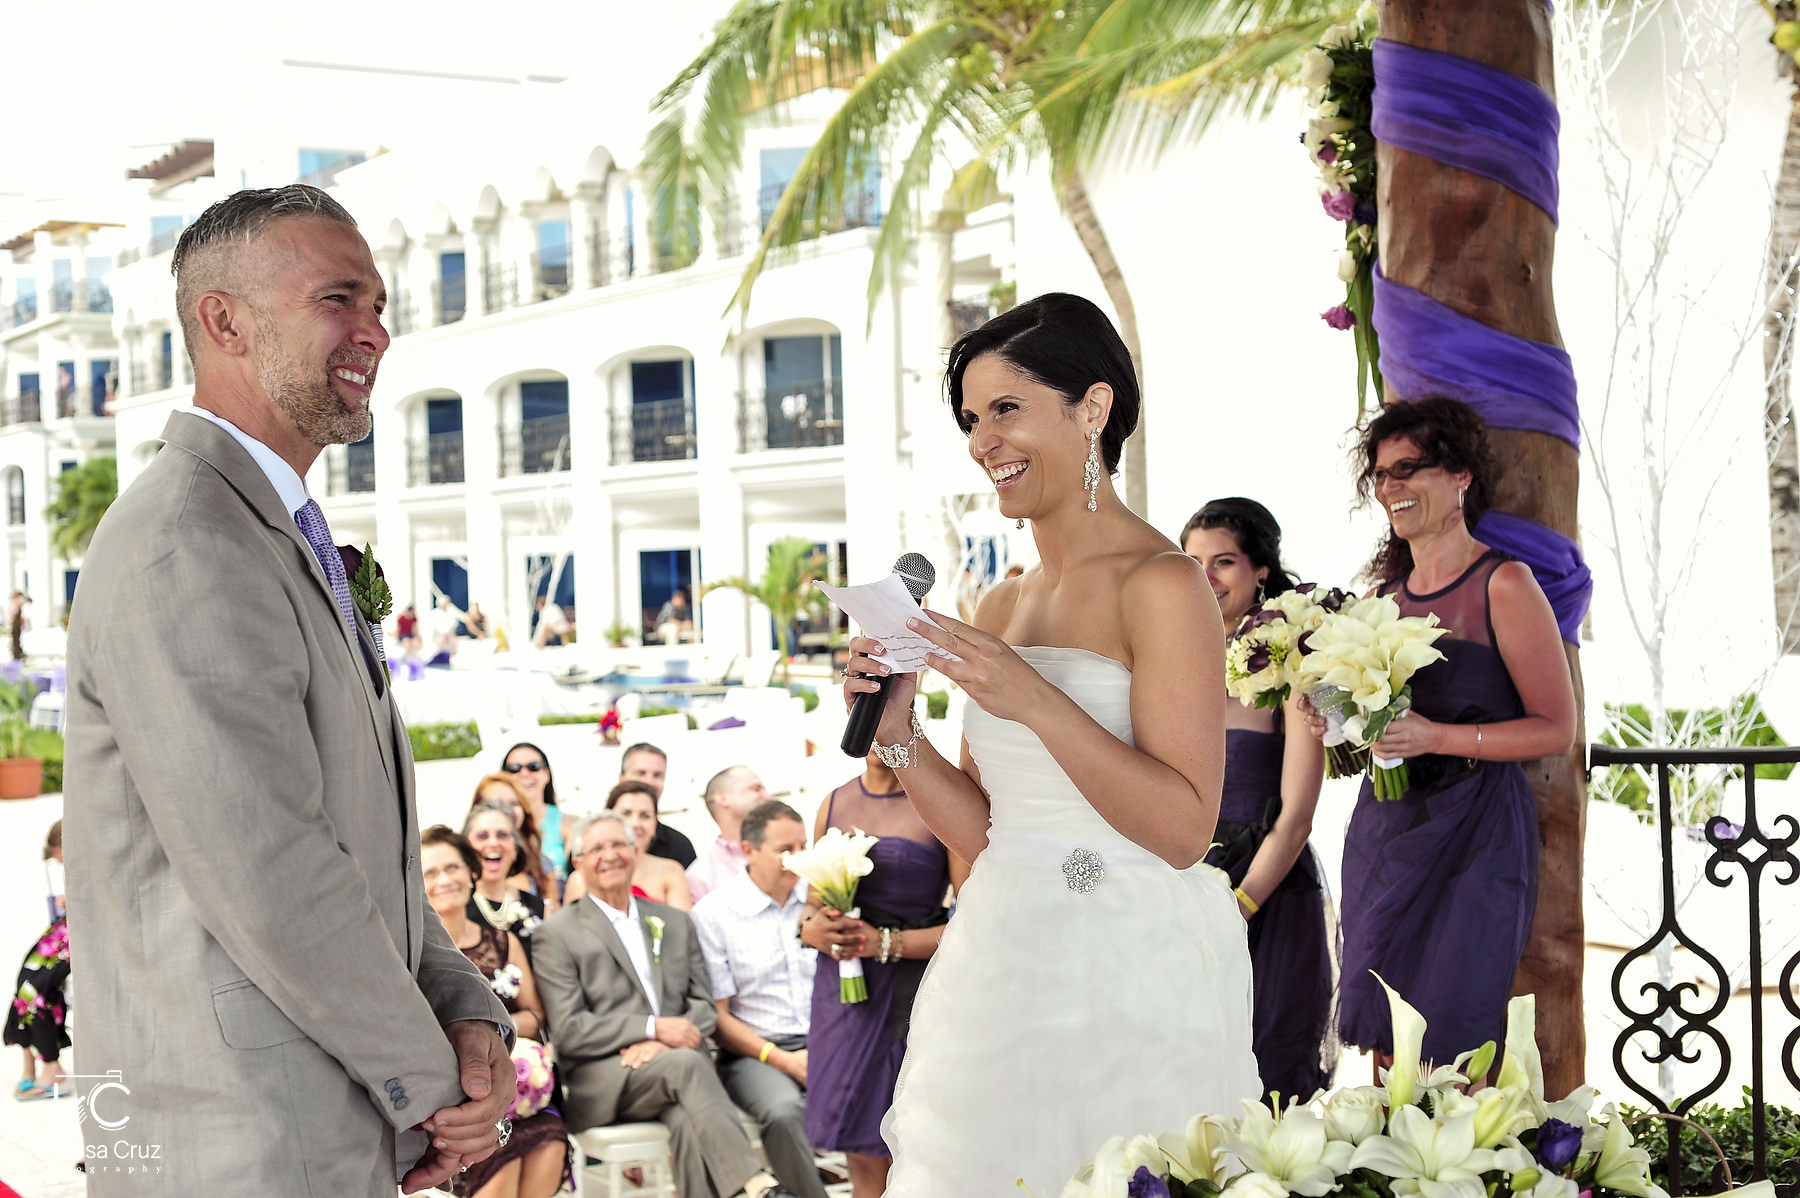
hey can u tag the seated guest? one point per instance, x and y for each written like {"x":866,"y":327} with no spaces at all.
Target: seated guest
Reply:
{"x":534,"y":1162}
{"x":762,"y":981}
{"x":655,"y":877}
{"x":500,"y":857}
{"x":644,"y":762}
{"x":505,"y":788}
{"x":730,"y":795}
{"x":625,"y":988}
{"x":528,"y":765}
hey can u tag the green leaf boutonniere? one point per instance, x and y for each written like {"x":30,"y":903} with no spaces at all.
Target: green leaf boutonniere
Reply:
{"x":655,"y":925}
{"x":370,"y":590}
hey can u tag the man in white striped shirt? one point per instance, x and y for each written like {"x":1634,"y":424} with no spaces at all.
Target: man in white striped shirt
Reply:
{"x":762,"y":980}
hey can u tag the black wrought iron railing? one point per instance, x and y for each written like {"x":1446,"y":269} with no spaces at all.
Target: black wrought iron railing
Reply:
{"x":802,"y":415}
{"x":15,"y":509}
{"x":158,"y":374}
{"x":659,"y":430}
{"x":537,"y":446}
{"x":500,"y":287}
{"x":434,"y":460}
{"x":22,"y":311}
{"x":350,"y":473}
{"x":550,"y":275}
{"x":23,"y":408}
{"x":1677,"y":1021}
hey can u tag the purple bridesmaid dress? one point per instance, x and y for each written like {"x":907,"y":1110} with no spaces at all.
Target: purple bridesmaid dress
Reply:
{"x":1291,"y":934}
{"x":854,"y":1050}
{"x":1440,"y":885}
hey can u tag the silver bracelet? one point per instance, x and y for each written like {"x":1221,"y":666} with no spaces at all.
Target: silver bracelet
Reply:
{"x":899,"y":757}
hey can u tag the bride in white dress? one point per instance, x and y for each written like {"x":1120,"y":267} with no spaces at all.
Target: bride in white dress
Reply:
{"x":1094,"y":980}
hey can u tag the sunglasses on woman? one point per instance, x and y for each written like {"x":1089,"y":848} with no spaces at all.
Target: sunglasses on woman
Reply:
{"x":1400,"y":471}
{"x":534,"y":767}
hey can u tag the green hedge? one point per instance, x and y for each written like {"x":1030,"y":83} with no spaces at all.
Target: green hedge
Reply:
{"x":436,"y":742}
{"x":937,"y":705}
{"x":590,"y":717}
{"x":1732,"y":1128}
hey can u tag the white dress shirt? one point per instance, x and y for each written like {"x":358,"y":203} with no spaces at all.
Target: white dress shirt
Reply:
{"x":754,"y":958}
{"x":631,"y":930}
{"x":289,"y":485}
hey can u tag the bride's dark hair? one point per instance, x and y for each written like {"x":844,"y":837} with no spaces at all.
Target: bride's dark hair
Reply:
{"x":1254,"y":529}
{"x":1064,"y":342}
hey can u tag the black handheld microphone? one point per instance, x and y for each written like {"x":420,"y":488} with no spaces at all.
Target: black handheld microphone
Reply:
{"x":919,"y":577}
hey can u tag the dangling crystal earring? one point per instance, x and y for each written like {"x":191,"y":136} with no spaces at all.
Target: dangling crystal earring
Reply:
{"x":1091,"y":472}
{"x":1460,"y":491}
{"x":1019,"y":523}
{"x":1261,"y":594}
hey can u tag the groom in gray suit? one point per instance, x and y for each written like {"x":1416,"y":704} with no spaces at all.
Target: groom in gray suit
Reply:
{"x":267,"y":1004}
{"x":625,"y":991}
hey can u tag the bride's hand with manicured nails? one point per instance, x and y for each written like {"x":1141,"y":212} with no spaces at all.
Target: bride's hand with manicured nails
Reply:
{"x":861,"y":675}
{"x":991,"y":671}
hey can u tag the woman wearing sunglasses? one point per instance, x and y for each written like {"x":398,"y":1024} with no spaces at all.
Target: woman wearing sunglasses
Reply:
{"x":530,"y":768}
{"x":1440,"y":885}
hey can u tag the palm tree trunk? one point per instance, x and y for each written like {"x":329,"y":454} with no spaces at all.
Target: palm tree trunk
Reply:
{"x":1470,"y":243}
{"x":1780,"y":277}
{"x":1072,"y":193}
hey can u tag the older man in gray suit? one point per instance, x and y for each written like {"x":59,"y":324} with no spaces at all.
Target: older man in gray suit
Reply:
{"x":268,"y":1006}
{"x":625,"y":991}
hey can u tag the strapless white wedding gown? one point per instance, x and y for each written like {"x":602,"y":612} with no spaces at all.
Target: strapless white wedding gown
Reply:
{"x":1065,"y":1006}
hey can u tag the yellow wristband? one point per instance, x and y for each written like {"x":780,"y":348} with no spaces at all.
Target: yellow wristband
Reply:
{"x":1247,"y":900}
{"x":763,"y":1056}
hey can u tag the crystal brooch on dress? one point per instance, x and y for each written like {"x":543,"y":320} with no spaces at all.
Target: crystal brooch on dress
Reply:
{"x":1084,"y":870}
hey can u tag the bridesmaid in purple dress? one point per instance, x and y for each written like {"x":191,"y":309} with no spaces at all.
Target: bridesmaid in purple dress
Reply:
{"x":1440,"y":885}
{"x":854,"y":1050}
{"x":1271,"y":791}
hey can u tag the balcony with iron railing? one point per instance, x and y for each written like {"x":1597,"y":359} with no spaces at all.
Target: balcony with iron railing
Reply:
{"x":500,"y":287}
{"x":861,"y":210}
{"x":550,"y":276}
{"x":66,"y":296}
{"x":537,"y":446}
{"x":805,"y":415}
{"x":22,"y":311}
{"x":350,"y":472}
{"x":23,"y":408}
{"x":655,"y":431}
{"x":15,"y":510}
{"x":158,"y":374}
{"x":434,"y":460}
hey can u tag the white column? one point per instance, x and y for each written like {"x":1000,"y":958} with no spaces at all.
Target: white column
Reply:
{"x":871,"y":392}
{"x":388,"y":263}
{"x":587,"y":209}
{"x":644,"y":255}
{"x":475,"y":260}
{"x":78,"y":270}
{"x":725,"y":615}
{"x":393,"y":527}
{"x":524,"y":228}
{"x":615,"y":230}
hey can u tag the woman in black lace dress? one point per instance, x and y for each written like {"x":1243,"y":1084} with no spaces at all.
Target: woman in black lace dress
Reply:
{"x":536,"y":1160}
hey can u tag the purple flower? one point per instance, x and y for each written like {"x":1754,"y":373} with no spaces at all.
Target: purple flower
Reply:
{"x":1145,"y":1184}
{"x":1364,"y":213}
{"x":1333,"y":600}
{"x":1328,"y":153}
{"x":1557,"y":1144}
{"x":1339,"y":317}
{"x":1303,"y":646}
{"x":1258,"y":659}
{"x":1339,"y":205}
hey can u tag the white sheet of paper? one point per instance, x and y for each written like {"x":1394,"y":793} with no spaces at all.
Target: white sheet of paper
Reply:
{"x":881,"y":610}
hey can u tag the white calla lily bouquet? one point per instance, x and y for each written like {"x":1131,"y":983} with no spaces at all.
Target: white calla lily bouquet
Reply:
{"x":1264,"y":661}
{"x":833,"y":867}
{"x":1360,"y":662}
{"x":1417,"y":1134}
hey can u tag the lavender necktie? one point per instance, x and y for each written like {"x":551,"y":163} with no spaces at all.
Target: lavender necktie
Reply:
{"x":318,"y":534}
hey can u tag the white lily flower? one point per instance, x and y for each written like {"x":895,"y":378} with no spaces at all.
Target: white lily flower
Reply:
{"x":1622,"y":1166}
{"x":1197,"y":1154}
{"x":1109,"y":1173}
{"x":1291,"y":1148}
{"x":1409,"y":1043}
{"x":1436,"y":1158}
{"x":834,"y":865}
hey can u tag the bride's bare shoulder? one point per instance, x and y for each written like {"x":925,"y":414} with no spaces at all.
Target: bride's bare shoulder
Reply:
{"x":994,"y":611}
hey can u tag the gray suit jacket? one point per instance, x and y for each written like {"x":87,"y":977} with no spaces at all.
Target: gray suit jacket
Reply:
{"x":258,"y":963}
{"x":596,"y":1005}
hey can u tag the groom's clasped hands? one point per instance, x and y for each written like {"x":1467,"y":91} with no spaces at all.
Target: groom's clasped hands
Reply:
{"x":469,"y":1133}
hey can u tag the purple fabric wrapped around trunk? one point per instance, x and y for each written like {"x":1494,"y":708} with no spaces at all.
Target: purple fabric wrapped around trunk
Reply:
{"x":1554,"y":559}
{"x":1430,"y":349}
{"x":1468,"y":115}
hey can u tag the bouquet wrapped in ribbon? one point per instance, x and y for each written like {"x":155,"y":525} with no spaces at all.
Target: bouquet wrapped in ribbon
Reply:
{"x":833,"y":867}
{"x":1363,"y":658}
{"x":1264,"y":662}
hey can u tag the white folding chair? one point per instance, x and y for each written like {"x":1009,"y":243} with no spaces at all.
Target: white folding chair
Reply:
{"x":621,"y":1146}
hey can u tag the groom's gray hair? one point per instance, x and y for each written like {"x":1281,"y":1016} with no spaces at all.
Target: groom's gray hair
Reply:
{"x":602,"y":817}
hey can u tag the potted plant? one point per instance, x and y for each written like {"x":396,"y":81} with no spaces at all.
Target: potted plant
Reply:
{"x":617,"y":634}
{"x":21,"y":777}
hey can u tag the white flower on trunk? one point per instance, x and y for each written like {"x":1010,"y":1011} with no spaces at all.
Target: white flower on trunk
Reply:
{"x":1315,"y":68}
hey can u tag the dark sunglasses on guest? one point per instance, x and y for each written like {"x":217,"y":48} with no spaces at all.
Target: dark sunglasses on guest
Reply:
{"x":1400,"y":471}
{"x":535,"y":767}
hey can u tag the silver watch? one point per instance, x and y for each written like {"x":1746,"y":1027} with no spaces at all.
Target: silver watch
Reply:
{"x":899,"y":757}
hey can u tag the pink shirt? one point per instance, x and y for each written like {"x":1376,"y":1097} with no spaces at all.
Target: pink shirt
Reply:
{"x":723,"y":860}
